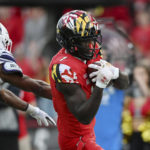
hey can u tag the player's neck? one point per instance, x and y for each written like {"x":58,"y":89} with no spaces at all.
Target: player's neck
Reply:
{"x":84,"y":61}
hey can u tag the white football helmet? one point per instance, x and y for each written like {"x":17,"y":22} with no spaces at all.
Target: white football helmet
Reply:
{"x":5,"y":41}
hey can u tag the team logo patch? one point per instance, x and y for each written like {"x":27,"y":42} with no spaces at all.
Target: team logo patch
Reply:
{"x":11,"y":67}
{"x":62,"y":73}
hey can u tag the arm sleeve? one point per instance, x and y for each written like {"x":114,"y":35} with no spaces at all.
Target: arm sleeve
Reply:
{"x":11,"y":68}
{"x":9,"y":65}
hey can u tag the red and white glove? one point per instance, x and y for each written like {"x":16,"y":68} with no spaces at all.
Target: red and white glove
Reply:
{"x":114,"y":70}
{"x":102,"y":76}
{"x":41,"y":116}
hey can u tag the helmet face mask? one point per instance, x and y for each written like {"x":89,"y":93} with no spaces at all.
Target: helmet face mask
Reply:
{"x":75,"y":31}
{"x":85,"y":48}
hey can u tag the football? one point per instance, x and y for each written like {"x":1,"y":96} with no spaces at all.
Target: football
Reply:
{"x":90,"y":70}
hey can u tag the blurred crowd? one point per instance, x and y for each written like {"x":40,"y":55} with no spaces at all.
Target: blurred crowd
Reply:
{"x":123,"y":122}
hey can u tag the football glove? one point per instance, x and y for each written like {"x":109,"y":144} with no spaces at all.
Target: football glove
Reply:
{"x":102,"y":76}
{"x":40,"y":116}
{"x":114,"y":70}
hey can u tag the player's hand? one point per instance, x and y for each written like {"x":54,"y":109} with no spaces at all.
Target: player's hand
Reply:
{"x":113,"y":69}
{"x":102,"y":76}
{"x":40,"y":116}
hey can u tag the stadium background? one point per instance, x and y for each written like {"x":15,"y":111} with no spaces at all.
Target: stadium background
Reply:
{"x":31,"y":25}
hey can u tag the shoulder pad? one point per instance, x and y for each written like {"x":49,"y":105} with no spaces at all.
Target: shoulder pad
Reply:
{"x":6,"y":56}
{"x":62,"y":73}
{"x":11,"y":67}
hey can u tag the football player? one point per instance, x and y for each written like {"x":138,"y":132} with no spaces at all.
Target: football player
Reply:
{"x":10,"y":72}
{"x":74,"y":100}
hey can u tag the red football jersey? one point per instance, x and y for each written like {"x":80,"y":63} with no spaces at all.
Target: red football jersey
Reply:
{"x":65,"y":68}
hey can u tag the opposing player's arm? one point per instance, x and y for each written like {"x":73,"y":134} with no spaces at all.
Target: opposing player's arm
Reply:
{"x":82,"y":108}
{"x":12,"y":100}
{"x":26,"y":83}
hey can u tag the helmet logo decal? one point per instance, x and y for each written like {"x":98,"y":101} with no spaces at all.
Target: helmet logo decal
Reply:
{"x":68,"y":20}
{"x":83,"y":23}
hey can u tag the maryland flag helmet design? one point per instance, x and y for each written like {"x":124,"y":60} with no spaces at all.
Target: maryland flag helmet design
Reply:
{"x":77,"y":27}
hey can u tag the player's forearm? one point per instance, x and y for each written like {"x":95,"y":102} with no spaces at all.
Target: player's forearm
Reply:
{"x":44,"y":89}
{"x":44,"y":92}
{"x":38,"y":87}
{"x":122,"y":82}
{"x":12,"y":100}
{"x":88,"y":109}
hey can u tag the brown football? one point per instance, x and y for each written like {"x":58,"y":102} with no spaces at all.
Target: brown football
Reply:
{"x":90,"y":70}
